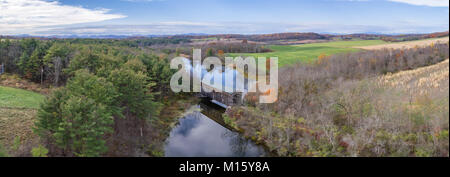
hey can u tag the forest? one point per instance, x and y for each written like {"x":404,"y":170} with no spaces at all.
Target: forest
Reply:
{"x":100,"y":93}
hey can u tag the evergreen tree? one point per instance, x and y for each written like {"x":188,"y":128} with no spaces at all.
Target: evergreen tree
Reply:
{"x":134,"y":92}
{"x":76,"y":118}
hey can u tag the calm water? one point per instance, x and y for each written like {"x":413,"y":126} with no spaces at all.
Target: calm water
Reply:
{"x":200,"y":134}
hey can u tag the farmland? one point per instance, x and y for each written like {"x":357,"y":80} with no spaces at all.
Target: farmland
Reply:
{"x":403,"y":45}
{"x":421,"y":81}
{"x":290,"y":54}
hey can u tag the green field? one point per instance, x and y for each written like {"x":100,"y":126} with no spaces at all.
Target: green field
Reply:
{"x":204,"y":39}
{"x":289,"y":54}
{"x":18,"y":98}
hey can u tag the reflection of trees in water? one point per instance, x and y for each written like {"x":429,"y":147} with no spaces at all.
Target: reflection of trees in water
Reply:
{"x":186,"y":124}
{"x":239,"y":145}
{"x":214,"y":113}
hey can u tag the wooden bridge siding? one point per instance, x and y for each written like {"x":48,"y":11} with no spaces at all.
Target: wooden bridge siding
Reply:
{"x":229,"y":99}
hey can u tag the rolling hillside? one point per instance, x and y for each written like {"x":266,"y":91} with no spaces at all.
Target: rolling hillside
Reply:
{"x":290,"y":54}
{"x":406,"y":45}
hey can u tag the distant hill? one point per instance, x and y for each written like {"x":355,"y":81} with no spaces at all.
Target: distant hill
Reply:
{"x":316,"y":36}
{"x":257,"y":37}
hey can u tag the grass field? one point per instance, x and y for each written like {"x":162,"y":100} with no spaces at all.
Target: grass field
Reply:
{"x":18,"y":110}
{"x":289,"y":54}
{"x":18,"y":98}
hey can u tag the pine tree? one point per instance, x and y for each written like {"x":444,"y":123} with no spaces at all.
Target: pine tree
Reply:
{"x":77,"y":117}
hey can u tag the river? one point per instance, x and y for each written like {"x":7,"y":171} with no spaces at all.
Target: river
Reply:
{"x":203,"y":133}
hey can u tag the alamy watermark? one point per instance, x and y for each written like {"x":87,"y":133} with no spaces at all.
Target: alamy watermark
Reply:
{"x":212,"y":75}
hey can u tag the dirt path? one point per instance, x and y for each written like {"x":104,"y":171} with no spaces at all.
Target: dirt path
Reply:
{"x":409,"y":44}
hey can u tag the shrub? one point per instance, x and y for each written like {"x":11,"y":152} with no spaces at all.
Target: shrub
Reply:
{"x":3,"y":152}
{"x":39,"y":151}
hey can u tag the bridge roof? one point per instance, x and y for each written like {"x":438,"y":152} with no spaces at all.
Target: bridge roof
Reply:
{"x":231,"y":78}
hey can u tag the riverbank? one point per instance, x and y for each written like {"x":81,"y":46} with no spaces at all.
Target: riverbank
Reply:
{"x":172,"y":111}
{"x":278,"y":134}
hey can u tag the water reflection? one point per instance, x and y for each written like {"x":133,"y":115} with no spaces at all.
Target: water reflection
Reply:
{"x":199,"y":136}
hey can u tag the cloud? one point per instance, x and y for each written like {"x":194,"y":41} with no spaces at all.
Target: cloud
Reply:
{"x":188,"y":23}
{"x":431,"y":3}
{"x":30,"y":14}
{"x":46,"y":18}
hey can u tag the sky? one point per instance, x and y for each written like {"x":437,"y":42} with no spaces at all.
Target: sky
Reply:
{"x":168,"y":17}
